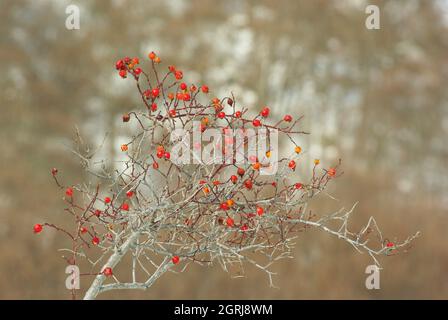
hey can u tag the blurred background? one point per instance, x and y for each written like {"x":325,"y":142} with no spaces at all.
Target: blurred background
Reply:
{"x":375,"y":98}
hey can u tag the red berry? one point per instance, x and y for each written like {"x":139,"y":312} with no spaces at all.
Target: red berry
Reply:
{"x":138,"y":71}
{"x":238,"y":114}
{"x":287,"y":118}
{"x":240,"y":172}
{"x":332,"y":172}
{"x":95,"y":241}
{"x":69,"y":192}
{"x":154,"y":106}
{"x":126,"y":117}
{"x":244,"y":227}
{"x":127,"y":59}
{"x":224,"y":206}
{"x":160,"y":154}
{"x":292,"y":164}
{"x":129,"y":194}
{"x":107,"y":200}
{"x":172,"y":68}
{"x":155,"y":92}
{"x":97,"y":212}
{"x":234,"y":179}
{"x":230,"y":222}
{"x":125,"y":207}
{"x":390,"y":244}
{"x":119,"y":64}
{"x":155,"y":165}
{"x":175,"y":259}
{"x":221,"y":115}
{"x":178,"y":74}
{"x":122,"y":73}
{"x":37,"y":228}
{"x":274,"y":184}
{"x":260,"y":211}
{"x":172,"y":113}
{"x":107,"y":271}
{"x":193,"y":88}
{"x":167,"y":155}
{"x":265,"y":112}
{"x":204,"y":88}
{"x":186,"y":97}
{"x":54,"y":171}
{"x":183,"y":86}
{"x":248,"y":184}
{"x":256,"y":123}
{"x":298,"y":185}
{"x":83,"y":229}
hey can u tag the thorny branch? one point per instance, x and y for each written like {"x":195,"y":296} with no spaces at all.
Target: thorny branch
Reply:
{"x":160,"y":214}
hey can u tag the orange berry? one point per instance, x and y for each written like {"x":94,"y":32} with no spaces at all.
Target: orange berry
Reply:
{"x":298,"y":149}
{"x":124,"y":147}
{"x":152,"y":55}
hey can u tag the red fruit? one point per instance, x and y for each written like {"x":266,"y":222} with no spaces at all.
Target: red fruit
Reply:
{"x":175,"y":259}
{"x":160,"y":154}
{"x":183,"y":86}
{"x":240,"y":172}
{"x":137,"y":71}
{"x":178,"y":74}
{"x":390,"y":244}
{"x":298,"y":185}
{"x":122,"y":73}
{"x":127,"y":59}
{"x":154,"y":106}
{"x":107,"y":200}
{"x":155,"y":165}
{"x":37,"y":228}
{"x":256,"y":123}
{"x":126,"y":117}
{"x":230,"y":102}
{"x":54,"y":171}
{"x":265,"y":112}
{"x":238,"y":114}
{"x":152,"y":55}
{"x":244,"y":227}
{"x":221,"y":115}
{"x":204,"y":88}
{"x":186,"y":97}
{"x":119,"y":64}
{"x":260,"y":211}
{"x":97,"y":212}
{"x":274,"y":184}
{"x":179,"y":96}
{"x":155,"y":92}
{"x":172,"y":68}
{"x":193,"y":88}
{"x":230,"y":222}
{"x":69,"y":192}
{"x":287,"y":118}
{"x":125,"y":207}
{"x":167,"y":155}
{"x":172,"y":113}
{"x":248,"y":184}
{"x":107,"y":271}
{"x":83,"y":229}
{"x":234,"y":179}
{"x":224,"y":206}
{"x":292,"y":164}
{"x":332,"y":172}
{"x":129,"y":194}
{"x":95,"y":241}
